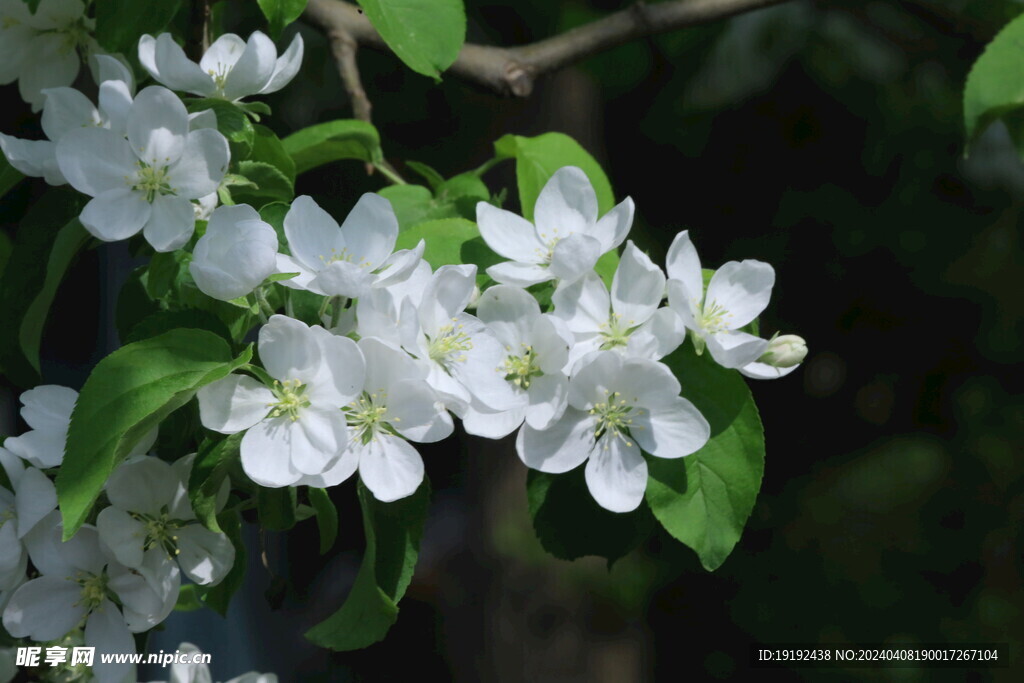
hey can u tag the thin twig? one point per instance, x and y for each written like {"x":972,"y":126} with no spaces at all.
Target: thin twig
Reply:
{"x":344,"y":48}
{"x":514,"y":70}
{"x":199,"y":22}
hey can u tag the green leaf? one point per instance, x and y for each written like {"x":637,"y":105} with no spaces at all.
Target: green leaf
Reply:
{"x":232,"y":122}
{"x":128,"y":393}
{"x":71,"y":238}
{"x":209,"y":472}
{"x":119,"y":23}
{"x":331,"y":141}
{"x":280,"y":13}
{"x":218,"y":598}
{"x":425,"y":34}
{"x":413,"y":204}
{"x":433,"y":178}
{"x":570,"y":524}
{"x":277,"y":507}
{"x":995,"y":84}
{"x":326,"y":517}
{"x":9,"y":176}
{"x":133,"y":304}
{"x":271,"y":184}
{"x":189,"y":598}
{"x":268,"y":148}
{"x":393,"y":533}
{"x":451,"y":241}
{"x":704,"y":499}
{"x":539,"y":157}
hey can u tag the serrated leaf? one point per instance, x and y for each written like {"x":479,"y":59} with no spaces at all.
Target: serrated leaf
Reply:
{"x":128,"y":393}
{"x":332,"y":141}
{"x":326,"y":517}
{"x":393,"y":533}
{"x":280,"y":13}
{"x":119,"y":23}
{"x":705,"y":498}
{"x":995,"y":84}
{"x":69,"y":241}
{"x":425,"y":34}
{"x":570,"y":524}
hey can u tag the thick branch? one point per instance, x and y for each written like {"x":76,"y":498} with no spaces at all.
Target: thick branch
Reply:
{"x":344,"y":47}
{"x":513,"y":71}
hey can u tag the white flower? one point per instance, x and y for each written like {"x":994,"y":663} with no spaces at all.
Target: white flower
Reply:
{"x":349,"y":260}
{"x":536,"y":351}
{"x":616,"y":407}
{"x":47,"y":410}
{"x":394,"y":407}
{"x":66,"y":109}
{"x":13,"y":558}
{"x":296,"y":428}
{"x":568,"y":237}
{"x":41,"y":50}
{"x":197,"y":672}
{"x":146,"y":182}
{"x":230,"y":70}
{"x":33,"y":498}
{"x":236,"y":254}
{"x":150,"y":514}
{"x":783,"y":356}
{"x":463,"y":358}
{"x":738,"y":293}
{"x":630,"y":320}
{"x":78,"y":587}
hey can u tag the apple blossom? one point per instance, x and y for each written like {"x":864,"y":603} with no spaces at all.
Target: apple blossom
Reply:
{"x":146,"y":182}
{"x":394,"y":407}
{"x":47,"y":410}
{"x":236,"y":254}
{"x":230,"y":69}
{"x":347,"y":260}
{"x":737,"y":293}
{"x":630,"y":320}
{"x":296,"y":427}
{"x":616,"y":407}
{"x":150,"y":514}
{"x":566,"y":238}
{"x":783,"y":355}
{"x":536,"y":351}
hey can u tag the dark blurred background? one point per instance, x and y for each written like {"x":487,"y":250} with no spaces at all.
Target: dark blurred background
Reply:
{"x":823,"y":137}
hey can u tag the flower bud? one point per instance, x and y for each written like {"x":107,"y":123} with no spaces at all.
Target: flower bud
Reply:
{"x":236,"y":254}
{"x":785,"y":351}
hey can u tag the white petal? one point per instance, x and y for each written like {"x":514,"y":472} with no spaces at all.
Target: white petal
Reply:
{"x":34,"y":158}
{"x":390,"y":467}
{"x":616,"y":474}
{"x":314,"y":238}
{"x":566,"y":205}
{"x":44,"y":609}
{"x":113,"y":69}
{"x":451,"y":288}
{"x":509,"y":235}
{"x":67,"y":109}
{"x":584,"y":305}
{"x":316,"y":439}
{"x":549,"y":397}
{"x":171,"y":223}
{"x":671,"y":431}
{"x":50,"y":63}
{"x":286,"y":66}
{"x":157,"y":126}
{"x":142,"y":484}
{"x":234,"y":403}
{"x":148,"y":596}
{"x":288,"y":350}
{"x":659,"y":336}
{"x":492,"y":424}
{"x":646,"y":383}
{"x":344,"y":370}
{"x":286,"y":264}
{"x":687,"y":307}
{"x":115,"y":103}
{"x":398,"y":267}
{"x":574,"y":257}
{"x":116,"y":214}
{"x":342,"y":468}
{"x":637,"y":288}
{"x":551,"y":339}
{"x":415,"y":412}
{"x":201,"y":167}
{"x":267,"y":452}
{"x":123,"y":535}
{"x":742,"y":289}
{"x":613,"y":227}
{"x":171,"y":67}
{"x":205,"y":556}
{"x":510,"y":312}
{"x":560,"y":448}
{"x":757,"y":370}
{"x":222,"y":54}
{"x":35,"y":498}
{"x":594,"y":378}
{"x":105,"y":630}
{"x":48,"y":406}
{"x":683,"y":264}
{"x":341,"y":278}
{"x":735,"y":349}
{"x":370,"y":230}
{"x":519,"y":274}
{"x":253,"y":69}
{"x":95,"y":160}
{"x":40,"y":447}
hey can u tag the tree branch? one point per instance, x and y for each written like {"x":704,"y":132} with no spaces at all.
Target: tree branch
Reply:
{"x":199,"y":29}
{"x":514,"y":70}
{"x":344,"y":47}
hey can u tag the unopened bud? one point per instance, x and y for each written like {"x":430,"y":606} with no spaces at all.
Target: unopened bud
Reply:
{"x":785,"y":351}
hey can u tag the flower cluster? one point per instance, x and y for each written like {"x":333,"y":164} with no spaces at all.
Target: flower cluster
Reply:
{"x":114,"y":578}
